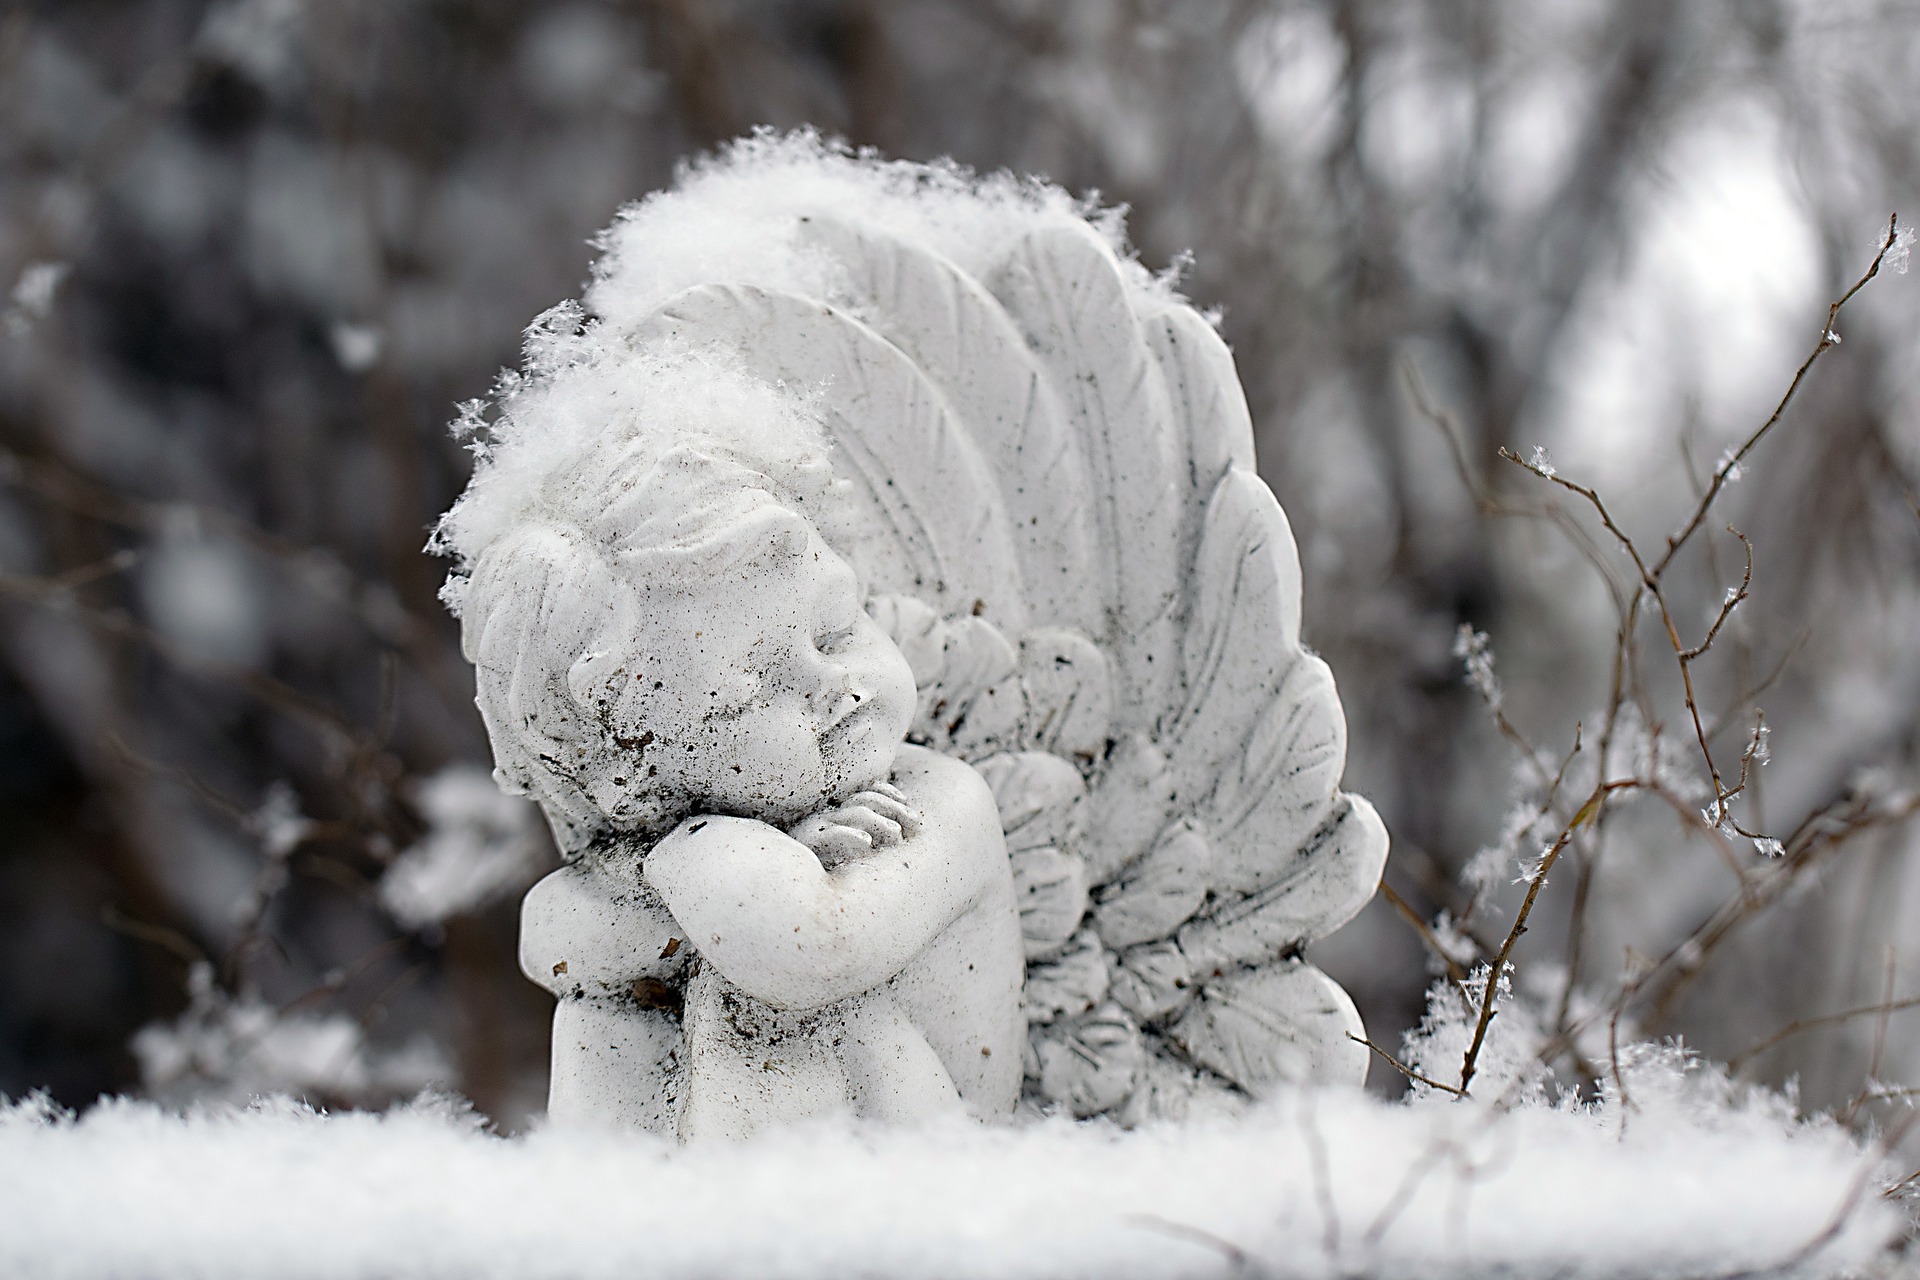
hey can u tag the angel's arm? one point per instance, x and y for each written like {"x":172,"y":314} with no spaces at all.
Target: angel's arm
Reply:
{"x":760,"y":908}
{"x":594,"y":931}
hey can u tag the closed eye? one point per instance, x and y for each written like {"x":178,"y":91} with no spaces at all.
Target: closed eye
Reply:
{"x":833,"y":641}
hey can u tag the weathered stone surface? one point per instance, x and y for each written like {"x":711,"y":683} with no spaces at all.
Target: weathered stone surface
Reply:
{"x":873,"y":585}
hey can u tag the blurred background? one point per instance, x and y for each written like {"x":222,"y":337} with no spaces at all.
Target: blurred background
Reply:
{"x":255,"y":252}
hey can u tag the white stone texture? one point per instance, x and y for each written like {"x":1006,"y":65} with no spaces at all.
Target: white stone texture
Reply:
{"x":963,"y":406}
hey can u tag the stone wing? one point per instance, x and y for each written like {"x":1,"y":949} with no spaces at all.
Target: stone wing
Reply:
{"x":1049,"y":465}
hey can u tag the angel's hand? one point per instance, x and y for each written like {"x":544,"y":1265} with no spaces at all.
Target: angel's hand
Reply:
{"x":878,"y":818}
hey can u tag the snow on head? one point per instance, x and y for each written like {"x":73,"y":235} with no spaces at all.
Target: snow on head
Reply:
{"x":608,"y":468}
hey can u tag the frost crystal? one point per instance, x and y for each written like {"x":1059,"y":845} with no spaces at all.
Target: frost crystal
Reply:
{"x":1473,"y":648}
{"x":233,"y":1048}
{"x":1768,"y":847}
{"x":1900,"y":253}
{"x":1542,"y":462}
{"x":1530,"y":871}
{"x":258,"y":37}
{"x":34,"y":291}
{"x":1728,"y":468}
{"x":1508,"y":1063}
{"x":481,"y":846}
{"x":279,"y":823}
{"x":1525,"y":825}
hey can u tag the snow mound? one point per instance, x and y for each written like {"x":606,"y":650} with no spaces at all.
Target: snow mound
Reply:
{"x":1309,"y":1185}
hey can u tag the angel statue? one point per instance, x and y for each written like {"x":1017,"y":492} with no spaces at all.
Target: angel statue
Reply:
{"x":871,"y":583}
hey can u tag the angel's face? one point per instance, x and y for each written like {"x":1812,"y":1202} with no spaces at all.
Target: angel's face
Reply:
{"x":772,"y":692}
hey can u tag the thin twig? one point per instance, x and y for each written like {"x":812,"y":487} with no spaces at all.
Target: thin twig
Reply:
{"x":159,"y":935}
{"x":1454,"y":971}
{"x":1537,"y":880}
{"x":1731,"y":463}
{"x":1799,"y":1025}
{"x":1406,"y":1070}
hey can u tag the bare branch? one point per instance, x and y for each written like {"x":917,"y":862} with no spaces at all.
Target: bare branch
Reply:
{"x":1406,"y":1070}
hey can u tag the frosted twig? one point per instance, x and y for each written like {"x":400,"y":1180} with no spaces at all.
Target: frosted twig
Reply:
{"x":1406,"y":1070}
{"x":384,"y":616}
{"x":277,"y":694}
{"x":1318,"y":1158}
{"x":1652,"y":575}
{"x":1734,"y":597}
{"x":1827,"y":828}
{"x":1729,"y":465}
{"x":1883,"y":1014}
{"x":159,"y":935}
{"x":1743,"y":700}
{"x":1233,"y":1253}
{"x":1476,"y":653}
{"x":1538,"y":879}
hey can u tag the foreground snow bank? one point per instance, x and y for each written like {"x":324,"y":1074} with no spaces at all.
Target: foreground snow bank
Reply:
{"x":1309,"y":1185}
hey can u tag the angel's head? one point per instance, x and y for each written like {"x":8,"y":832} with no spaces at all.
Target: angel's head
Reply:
{"x":669,"y":633}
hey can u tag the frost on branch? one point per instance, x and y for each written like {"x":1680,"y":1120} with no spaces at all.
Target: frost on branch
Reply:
{"x":1476,"y":650}
{"x":481,"y":845}
{"x":1508,"y":1066}
{"x":232,"y":1049}
{"x":1900,"y":252}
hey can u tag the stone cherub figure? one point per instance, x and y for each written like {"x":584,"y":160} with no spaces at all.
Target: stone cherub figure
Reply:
{"x":871,"y":583}
{"x":672,"y":660}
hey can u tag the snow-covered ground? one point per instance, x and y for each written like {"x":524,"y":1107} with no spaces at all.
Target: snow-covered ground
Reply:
{"x":1696,"y":1183}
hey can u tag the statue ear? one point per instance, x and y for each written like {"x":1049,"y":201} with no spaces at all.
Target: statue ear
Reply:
{"x":589,"y":676}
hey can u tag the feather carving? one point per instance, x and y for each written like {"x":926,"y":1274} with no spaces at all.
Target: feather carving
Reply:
{"x":1064,"y":290}
{"x":1287,"y":1023}
{"x":915,"y":472}
{"x":1048,"y":468}
{"x":963,"y":341}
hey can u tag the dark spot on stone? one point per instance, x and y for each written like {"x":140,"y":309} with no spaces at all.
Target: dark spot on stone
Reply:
{"x":671,"y":949}
{"x":560,"y":968}
{"x":651,"y":993}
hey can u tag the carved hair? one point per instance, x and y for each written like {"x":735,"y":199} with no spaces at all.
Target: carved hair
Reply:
{"x":551,"y":600}
{"x":573,"y":525}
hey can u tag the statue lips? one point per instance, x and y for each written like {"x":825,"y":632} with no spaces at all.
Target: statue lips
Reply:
{"x":852,"y":720}
{"x":849,"y":706}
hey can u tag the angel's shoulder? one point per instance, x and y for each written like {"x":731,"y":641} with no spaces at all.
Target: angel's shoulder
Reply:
{"x":946,"y":790}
